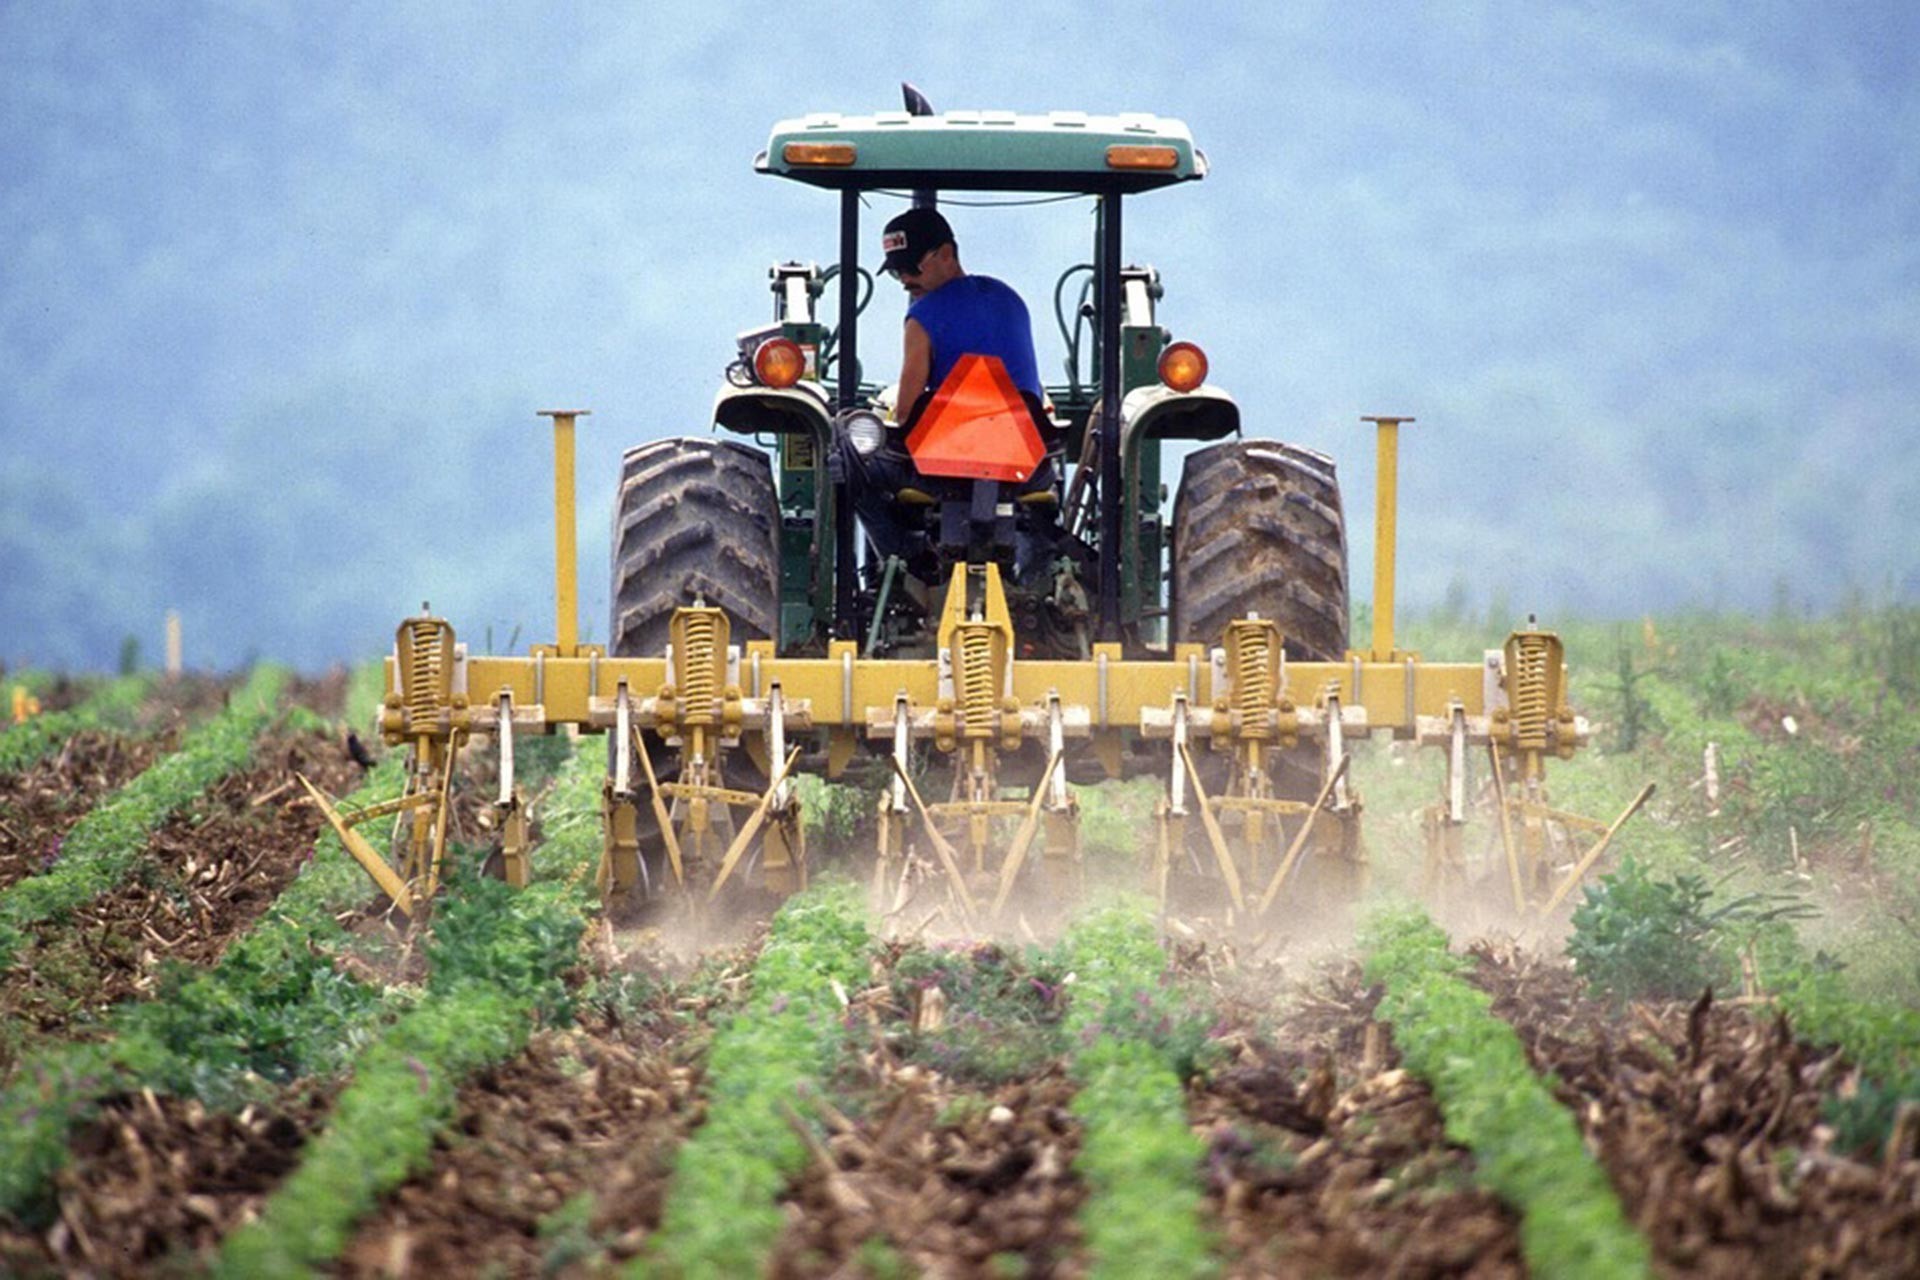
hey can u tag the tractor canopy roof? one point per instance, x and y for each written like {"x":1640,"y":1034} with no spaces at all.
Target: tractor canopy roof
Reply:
{"x":984,"y":151}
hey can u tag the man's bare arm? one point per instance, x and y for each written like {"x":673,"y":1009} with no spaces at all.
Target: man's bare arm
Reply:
{"x":916,"y":362}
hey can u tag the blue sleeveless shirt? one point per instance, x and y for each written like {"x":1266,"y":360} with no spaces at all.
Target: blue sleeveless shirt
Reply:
{"x":978,"y":315}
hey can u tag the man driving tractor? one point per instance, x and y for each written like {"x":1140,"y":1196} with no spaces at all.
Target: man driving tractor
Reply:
{"x":951,"y":314}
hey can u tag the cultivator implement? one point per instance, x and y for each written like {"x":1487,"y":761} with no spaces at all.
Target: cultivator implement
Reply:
{"x":1216,"y":718}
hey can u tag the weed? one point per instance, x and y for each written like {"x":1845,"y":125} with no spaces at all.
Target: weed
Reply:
{"x":1004,"y":1010}
{"x":878,"y":1259}
{"x":1637,"y":936}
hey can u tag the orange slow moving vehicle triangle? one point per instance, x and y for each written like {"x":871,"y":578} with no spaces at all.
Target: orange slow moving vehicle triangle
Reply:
{"x":977,"y":427}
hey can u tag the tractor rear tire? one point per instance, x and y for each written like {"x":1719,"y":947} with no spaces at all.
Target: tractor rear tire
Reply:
{"x":1258,"y":528}
{"x":695,"y":519}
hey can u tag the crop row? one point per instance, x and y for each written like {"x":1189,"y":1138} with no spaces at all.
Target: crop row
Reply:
{"x":273,"y":1008}
{"x":497,"y":957}
{"x":102,"y":846}
{"x":722,"y":1215}
{"x":1131,"y":1049}
{"x":1527,"y":1148}
{"x":112,"y":706}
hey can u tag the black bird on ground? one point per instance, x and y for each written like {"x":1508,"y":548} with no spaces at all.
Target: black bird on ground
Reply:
{"x":358,"y":750}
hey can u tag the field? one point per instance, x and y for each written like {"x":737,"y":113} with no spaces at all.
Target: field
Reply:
{"x":217,"y":1055}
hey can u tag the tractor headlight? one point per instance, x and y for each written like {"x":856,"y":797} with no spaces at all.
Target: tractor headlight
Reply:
{"x":865,"y":431}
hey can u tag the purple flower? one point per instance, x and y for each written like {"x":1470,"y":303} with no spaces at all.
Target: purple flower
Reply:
{"x":780,"y":1004}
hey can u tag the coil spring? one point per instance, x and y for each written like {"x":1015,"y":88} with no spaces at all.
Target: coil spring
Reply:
{"x":1530,"y":710}
{"x":1252,"y":678}
{"x":426,"y":659}
{"x":977,"y":695}
{"x":697,"y":684}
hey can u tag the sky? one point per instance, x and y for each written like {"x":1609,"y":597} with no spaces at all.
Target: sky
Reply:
{"x":283,"y":286}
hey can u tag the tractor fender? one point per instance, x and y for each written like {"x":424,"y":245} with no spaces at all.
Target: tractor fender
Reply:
{"x":1160,"y":413}
{"x":802,"y":409}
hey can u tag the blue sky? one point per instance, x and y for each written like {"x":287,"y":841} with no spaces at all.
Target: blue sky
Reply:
{"x":281,"y":287}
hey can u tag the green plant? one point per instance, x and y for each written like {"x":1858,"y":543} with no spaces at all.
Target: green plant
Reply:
{"x":105,"y":844}
{"x":1526,"y":1147}
{"x":112,"y":706}
{"x":1139,"y":1159}
{"x":567,"y":1235}
{"x":722,"y":1215}
{"x":497,"y":959}
{"x":1638,"y":936}
{"x":880,"y":1260}
{"x":1882,"y":1040}
{"x":1003,"y":1010}
{"x":274,"y":1008}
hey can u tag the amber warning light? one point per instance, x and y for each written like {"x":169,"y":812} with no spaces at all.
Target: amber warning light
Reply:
{"x":1136,"y":157}
{"x":779,"y":362}
{"x":1183,"y":366}
{"x":838,"y":154}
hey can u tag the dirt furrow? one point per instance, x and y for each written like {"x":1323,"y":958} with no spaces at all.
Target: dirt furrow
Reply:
{"x":39,"y":805}
{"x":953,"y":1182}
{"x":1327,"y":1159}
{"x":1707,"y":1119}
{"x":561,"y":1155}
{"x":207,"y":874}
{"x":155,"y":1182}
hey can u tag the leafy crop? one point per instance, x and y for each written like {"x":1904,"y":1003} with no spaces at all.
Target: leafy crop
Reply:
{"x":1142,"y":1215}
{"x":103,"y":845}
{"x":112,"y":706}
{"x":1882,"y":1040}
{"x":1526,"y":1147}
{"x":366,"y":686}
{"x":274,"y":1008}
{"x":497,"y":956}
{"x":722,"y":1215}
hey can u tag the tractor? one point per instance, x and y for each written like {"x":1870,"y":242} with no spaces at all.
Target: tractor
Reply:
{"x":1049,"y":625}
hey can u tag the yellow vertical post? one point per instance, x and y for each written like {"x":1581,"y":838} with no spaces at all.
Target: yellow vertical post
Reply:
{"x":1386,"y":501}
{"x":566,"y":587}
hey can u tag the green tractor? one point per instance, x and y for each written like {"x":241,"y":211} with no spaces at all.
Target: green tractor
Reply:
{"x":766,"y":531}
{"x":1038,"y":620}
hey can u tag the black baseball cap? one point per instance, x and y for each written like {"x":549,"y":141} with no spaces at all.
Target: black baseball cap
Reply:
{"x":910,"y":236}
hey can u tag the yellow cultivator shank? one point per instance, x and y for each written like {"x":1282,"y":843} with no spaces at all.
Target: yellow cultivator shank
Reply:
{"x":1236,"y":704}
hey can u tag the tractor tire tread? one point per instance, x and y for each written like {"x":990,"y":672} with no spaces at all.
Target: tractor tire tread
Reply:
{"x":1258,"y":528}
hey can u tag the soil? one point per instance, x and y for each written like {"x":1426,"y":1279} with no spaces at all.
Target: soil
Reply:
{"x":1707,"y":1119}
{"x":957,"y":1184}
{"x":39,"y":805}
{"x":156,"y":1182}
{"x":596,"y":1110}
{"x":1325,"y":1159}
{"x":1322,"y":1156}
{"x":207,"y":875}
